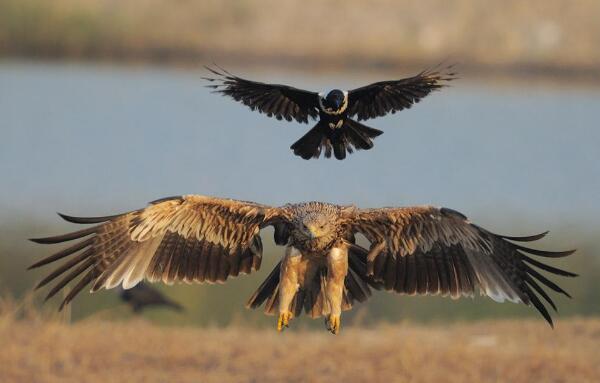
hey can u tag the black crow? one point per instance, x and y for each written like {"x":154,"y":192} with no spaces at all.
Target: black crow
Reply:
{"x":336,"y":131}
{"x":141,"y":296}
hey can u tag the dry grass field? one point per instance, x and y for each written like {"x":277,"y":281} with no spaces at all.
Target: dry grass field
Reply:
{"x":50,"y":350}
{"x":538,"y":35}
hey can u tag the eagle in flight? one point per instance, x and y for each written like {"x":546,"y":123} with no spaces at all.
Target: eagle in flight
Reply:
{"x":195,"y":239}
{"x":337,"y":111}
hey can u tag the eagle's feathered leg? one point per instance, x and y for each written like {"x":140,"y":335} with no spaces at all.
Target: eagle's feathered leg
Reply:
{"x":337,"y":268}
{"x":288,"y":285}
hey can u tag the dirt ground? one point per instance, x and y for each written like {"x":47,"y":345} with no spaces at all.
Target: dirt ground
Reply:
{"x":38,"y":350}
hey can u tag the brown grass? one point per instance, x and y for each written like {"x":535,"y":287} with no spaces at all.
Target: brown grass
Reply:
{"x":542,"y":34}
{"x":36,"y":348}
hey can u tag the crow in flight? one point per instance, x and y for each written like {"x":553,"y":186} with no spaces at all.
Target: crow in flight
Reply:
{"x":337,"y":111}
{"x":142,"y":296}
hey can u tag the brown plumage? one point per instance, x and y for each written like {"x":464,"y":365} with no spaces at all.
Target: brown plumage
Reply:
{"x":196,"y":239}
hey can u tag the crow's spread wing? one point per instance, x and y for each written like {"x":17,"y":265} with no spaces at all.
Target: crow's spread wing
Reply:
{"x":381,"y":98}
{"x":279,"y":101}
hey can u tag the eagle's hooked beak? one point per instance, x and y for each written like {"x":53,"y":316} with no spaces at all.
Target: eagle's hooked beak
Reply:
{"x":313,"y":232}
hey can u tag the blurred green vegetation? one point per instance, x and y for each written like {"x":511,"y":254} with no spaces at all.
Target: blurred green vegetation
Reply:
{"x":220,"y":305}
{"x":43,"y":28}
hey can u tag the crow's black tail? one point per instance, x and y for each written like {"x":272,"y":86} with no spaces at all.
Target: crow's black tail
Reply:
{"x":174,"y":305}
{"x":351,"y":136}
{"x":309,"y":145}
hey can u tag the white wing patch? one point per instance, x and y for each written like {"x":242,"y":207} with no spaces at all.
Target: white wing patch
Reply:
{"x":491,"y":280}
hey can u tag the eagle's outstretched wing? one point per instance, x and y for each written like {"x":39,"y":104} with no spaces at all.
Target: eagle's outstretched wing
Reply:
{"x":381,"y":98}
{"x":427,"y":250}
{"x":190,"y":238}
{"x":279,"y":101}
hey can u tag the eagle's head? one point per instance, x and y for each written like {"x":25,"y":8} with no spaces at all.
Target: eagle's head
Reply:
{"x":335,"y":101}
{"x":316,"y":225}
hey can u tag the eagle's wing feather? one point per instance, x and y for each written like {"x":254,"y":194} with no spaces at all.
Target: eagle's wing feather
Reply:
{"x":428,"y":250}
{"x":381,"y":98}
{"x":191,"y":238}
{"x":274,"y":100}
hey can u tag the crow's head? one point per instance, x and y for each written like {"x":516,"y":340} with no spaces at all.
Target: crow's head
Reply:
{"x":334,"y":101}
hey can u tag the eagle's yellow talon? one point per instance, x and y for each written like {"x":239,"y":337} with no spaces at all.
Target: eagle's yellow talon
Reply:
{"x":284,"y":320}
{"x":333,"y":324}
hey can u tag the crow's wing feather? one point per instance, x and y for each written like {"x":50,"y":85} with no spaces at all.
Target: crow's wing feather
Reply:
{"x":381,"y":98}
{"x":274,"y":100}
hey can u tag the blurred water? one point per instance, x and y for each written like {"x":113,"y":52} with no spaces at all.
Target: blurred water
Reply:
{"x":97,"y":140}
{"x":87,"y":139}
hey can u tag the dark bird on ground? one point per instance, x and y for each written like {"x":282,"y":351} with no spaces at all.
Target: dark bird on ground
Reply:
{"x":413,"y":250}
{"x":141,"y":296}
{"x":337,"y":111}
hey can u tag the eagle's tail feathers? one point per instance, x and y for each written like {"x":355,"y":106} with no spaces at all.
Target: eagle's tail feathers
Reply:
{"x":267,"y":291}
{"x":311,"y":299}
